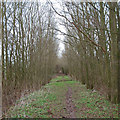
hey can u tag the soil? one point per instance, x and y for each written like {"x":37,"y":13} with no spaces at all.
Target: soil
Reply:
{"x":70,"y":107}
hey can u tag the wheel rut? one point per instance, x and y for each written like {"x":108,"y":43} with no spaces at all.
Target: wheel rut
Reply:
{"x":70,"y":107}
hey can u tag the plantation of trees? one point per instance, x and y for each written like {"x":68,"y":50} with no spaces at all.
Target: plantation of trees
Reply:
{"x":91,"y":48}
{"x":30,"y":38}
{"x":29,"y":47}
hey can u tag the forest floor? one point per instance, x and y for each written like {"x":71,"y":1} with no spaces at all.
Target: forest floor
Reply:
{"x":63,"y":98}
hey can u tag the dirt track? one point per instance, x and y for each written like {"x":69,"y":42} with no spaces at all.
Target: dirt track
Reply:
{"x":69,"y":104}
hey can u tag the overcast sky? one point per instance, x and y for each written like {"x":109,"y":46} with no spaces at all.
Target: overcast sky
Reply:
{"x":57,"y":5}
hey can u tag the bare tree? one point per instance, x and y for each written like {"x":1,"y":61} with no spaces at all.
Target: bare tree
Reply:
{"x":92,"y":55}
{"x":29,"y":48}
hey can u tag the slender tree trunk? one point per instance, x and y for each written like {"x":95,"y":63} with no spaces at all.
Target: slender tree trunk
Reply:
{"x":114,"y":53}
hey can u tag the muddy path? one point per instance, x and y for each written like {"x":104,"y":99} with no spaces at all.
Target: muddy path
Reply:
{"x":70,"y":107}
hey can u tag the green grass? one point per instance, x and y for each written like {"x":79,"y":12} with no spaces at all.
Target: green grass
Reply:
{"x":34,"y":105}
{"x":94,"y":105}
{"x":57,"y":78}
{"x":61,"y":78}
{"x":52,"y":97}
{"x":37,"y":104}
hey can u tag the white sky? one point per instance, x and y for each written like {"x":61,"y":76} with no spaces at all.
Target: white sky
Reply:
{"x":61,"y":44}
{"x":57,"y":6}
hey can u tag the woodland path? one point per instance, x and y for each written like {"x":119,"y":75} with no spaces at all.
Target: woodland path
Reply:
{"x":63,"y":97}
{"x":70,"y":106}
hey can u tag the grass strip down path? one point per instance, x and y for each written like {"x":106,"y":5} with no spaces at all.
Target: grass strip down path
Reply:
{"x":63,"y":98}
